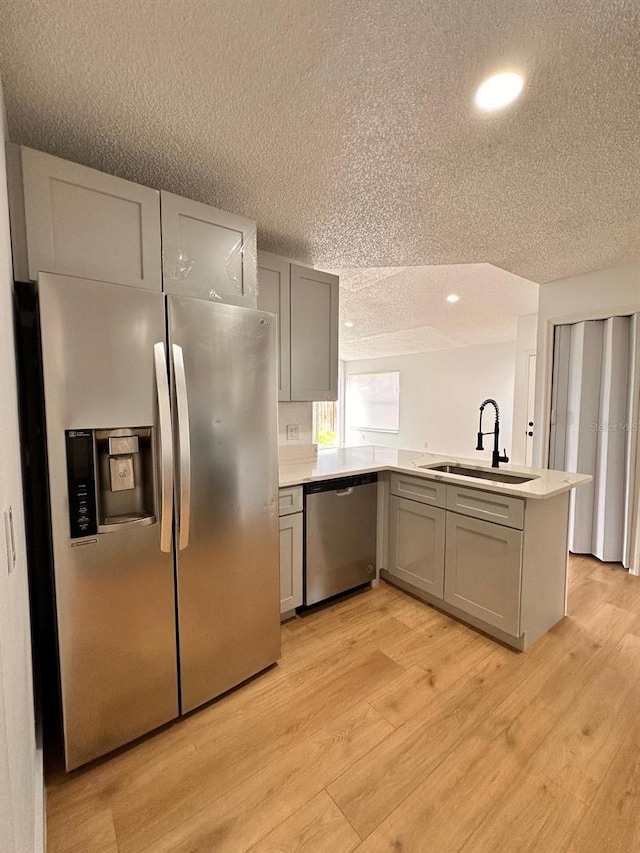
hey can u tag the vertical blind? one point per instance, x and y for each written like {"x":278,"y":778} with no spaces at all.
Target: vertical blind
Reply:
{"x":594,"y":430}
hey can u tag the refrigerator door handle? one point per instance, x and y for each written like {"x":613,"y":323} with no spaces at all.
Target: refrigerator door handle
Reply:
{"x":184,"y":444}
{"x":166,"y":446}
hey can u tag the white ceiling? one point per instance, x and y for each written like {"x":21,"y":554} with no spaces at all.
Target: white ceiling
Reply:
{"x":347,"y":128}
{"x":400,"y":310}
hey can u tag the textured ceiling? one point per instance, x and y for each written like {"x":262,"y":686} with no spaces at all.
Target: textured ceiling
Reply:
{"x":403,"y":310}
{"x":347,"y":127}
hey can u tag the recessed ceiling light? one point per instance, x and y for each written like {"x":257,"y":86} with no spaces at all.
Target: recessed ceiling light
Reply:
{"x":453,"y":297}
{"x":499,"y":90}
{"x":349,"y":324}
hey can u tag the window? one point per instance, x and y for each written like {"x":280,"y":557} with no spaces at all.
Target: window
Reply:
{"x":373,"y":401}
{"x":325,"y":424}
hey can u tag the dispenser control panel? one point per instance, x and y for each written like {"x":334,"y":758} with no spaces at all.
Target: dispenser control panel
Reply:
{"x":81,"y":479}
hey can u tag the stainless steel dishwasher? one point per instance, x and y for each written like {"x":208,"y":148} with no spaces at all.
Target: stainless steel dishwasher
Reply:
{"x":340,"y":535}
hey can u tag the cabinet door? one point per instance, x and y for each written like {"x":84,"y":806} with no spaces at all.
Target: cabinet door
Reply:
{"x":416,"y":544}
{"x":274,"y":296}
{"x":86,"y":224}
{"x":207,"y":253}
{"x":314,"y":335}
{"x":483,"y":571}
{"x":290,"y":562}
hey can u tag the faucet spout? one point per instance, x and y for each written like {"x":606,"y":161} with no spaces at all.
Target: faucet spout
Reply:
{"x":496,"y":457}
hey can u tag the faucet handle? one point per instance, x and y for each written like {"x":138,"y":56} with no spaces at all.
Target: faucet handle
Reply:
{"x":505,"y":458}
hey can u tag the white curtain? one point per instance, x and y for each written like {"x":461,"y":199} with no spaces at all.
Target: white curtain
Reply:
{"x":594,"y":430}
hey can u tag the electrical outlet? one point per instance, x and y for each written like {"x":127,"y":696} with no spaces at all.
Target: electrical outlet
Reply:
{"x":293,"y":432}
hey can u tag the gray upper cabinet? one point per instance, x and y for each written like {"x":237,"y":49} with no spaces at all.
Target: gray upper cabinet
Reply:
{"x":274,"y":295}
{"x":306,"y":303}
{"x":314,"y":334}
{"x":76,"y":221}
{"x":207,"y":253}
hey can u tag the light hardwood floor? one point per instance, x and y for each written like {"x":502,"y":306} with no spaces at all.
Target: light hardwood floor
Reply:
{"x":387,"y":726}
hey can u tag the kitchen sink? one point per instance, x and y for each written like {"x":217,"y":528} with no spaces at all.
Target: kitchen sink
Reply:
{"x":491,"y":474}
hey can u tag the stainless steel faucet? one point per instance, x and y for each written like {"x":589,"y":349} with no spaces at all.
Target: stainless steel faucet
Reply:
{"x":496,"y":458}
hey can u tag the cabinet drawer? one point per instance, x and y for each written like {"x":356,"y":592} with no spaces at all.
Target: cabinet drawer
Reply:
{"x":418,"y":489}
{"x":290,"y":500}
{"x":490,"y":506}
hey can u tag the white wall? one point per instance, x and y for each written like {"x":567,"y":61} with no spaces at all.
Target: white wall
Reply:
{"x":591,"y":296}
{"x":20,"y":758}
{"x":440,"y":394}
{"x":295,"y":413}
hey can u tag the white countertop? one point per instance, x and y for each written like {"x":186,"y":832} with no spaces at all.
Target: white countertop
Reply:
{"x":343,"y":462}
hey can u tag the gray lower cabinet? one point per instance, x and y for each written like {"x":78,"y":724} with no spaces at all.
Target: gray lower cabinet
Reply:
{"x":417,"y":544}
{"x":208,"y":253}
{"x":306,"y":304}
{"x":290,"y":505}
{"x":290,"y":562}
{"x":445,"y":541}
{"x":483,"y":569}
{"x":72,"y":220}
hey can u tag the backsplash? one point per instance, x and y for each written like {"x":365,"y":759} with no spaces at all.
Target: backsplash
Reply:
{"x":300,"y":414}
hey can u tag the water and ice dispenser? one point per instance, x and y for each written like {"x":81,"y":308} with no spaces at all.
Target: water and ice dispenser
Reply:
{"x":111,"y":481}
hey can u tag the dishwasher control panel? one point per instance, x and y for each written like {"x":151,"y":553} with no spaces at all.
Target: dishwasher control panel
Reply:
{"x":340,"y":483}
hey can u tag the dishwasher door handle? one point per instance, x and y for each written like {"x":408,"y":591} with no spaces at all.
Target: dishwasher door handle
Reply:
{"x":342,"y":492}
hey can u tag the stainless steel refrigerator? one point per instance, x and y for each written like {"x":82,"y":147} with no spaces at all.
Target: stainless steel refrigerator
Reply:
{"x":161,"y":435}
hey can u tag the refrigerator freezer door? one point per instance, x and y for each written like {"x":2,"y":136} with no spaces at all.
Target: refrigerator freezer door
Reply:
{"x":114,"y":592}
{"x":228,"y":576}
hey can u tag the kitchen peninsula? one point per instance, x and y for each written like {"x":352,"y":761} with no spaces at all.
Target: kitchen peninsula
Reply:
{"x":492,"y":553}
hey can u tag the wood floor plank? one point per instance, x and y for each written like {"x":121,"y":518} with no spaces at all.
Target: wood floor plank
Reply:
{"x":403,"y":699}
{"x":231,"y":747}
{"x":535,"y":815}
{"x":611,"y":822}
{"x":248,"y":812}
{"x":428,"y":735}
{"x":451,"y":802}
{"x":585,"y":739}
{"x":318,"y":827}
{"x":375,"y":785}
{"x":87,"y":830}
{"x":124,"y":776}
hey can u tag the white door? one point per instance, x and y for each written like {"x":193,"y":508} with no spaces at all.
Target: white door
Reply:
{"x":531,"y":396}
